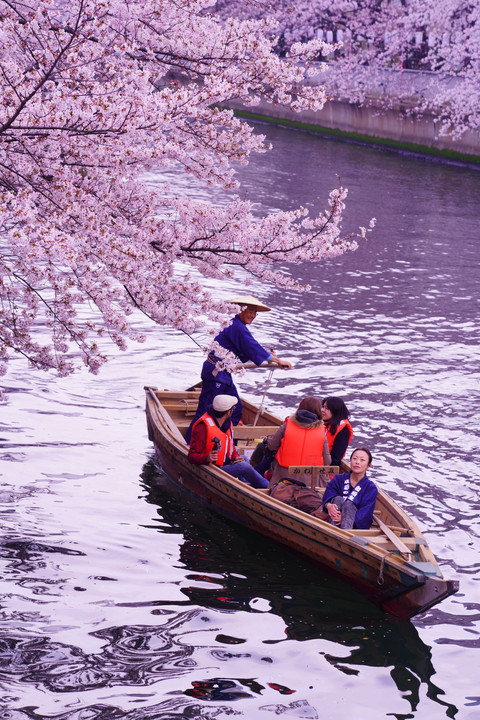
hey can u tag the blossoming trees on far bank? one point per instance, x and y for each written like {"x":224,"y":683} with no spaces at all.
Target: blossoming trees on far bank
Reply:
{"x":383,"y":38}
{"x":95,"y":94}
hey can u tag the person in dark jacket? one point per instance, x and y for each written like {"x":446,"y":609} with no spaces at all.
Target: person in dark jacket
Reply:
{"x":349,"y":498}
{"x":300,"y":441}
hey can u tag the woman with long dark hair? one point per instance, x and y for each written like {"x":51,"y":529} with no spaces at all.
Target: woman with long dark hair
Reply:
{"x":335,"y":415}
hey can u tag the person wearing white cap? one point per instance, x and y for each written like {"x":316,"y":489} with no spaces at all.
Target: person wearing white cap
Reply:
{"x":212,"y":442}
{"x":238,"y":339}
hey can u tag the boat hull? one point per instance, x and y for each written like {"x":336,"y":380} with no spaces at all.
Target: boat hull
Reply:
{"x":401,"y":588}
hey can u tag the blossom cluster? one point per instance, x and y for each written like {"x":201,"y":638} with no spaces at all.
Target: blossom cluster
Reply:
{"x":97,"y":94}
{"x":226,"y":360}
{"x":379,"y":41}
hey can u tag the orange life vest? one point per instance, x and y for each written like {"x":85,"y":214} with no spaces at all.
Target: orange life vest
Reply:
{"x":331,"y":436}
{"x":213,"y":432}
{"x":301,"y":446}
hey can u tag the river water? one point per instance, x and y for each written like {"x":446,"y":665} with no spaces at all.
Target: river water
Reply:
{"x":119,"y":598}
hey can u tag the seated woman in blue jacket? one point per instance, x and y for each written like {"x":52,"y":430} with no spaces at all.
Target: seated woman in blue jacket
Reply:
{"x":349,"y":498}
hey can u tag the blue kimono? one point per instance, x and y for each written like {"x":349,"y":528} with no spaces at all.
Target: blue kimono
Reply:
{"x":238,"y":339}
{"x":364,"y":497}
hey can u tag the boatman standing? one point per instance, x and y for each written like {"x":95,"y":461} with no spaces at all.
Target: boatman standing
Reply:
{"x":237,"y":339}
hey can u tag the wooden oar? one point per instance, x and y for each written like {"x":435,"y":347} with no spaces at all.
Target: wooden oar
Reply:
{"x":392,"y":537}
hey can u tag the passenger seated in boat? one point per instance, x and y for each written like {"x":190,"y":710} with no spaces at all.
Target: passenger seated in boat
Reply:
{"x":212,"y":442}
{"x":349,"y":498}
{"x":301,"y":440}
{"x":335,"y":415}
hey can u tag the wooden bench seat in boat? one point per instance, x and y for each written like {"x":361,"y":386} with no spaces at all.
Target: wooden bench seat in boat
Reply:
{"x":253,"y":432}
{"x":240,"y":432}
{"x":411,"y":543}
{"x":186,"y":405}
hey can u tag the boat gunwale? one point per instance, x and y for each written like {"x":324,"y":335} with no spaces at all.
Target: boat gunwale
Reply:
{"x":264,"y":500}
{"x":392,"y":592}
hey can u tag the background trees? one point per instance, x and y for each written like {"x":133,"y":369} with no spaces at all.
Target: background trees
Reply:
{"x":95,"y":94}
{"x":381,"y":39}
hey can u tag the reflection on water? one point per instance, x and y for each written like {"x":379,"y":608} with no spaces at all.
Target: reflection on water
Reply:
{"x":227,"y":689}
{"x":171,"y":709}
{"x":224,"y":573}
{"x":130,"y":656}
{"x":326,"y":609}
{"x":120,"y":600}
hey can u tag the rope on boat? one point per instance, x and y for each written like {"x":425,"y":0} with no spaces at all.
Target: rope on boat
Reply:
{"x":380,"y":578}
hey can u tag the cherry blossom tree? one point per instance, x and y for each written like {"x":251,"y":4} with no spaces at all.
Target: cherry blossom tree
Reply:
{"x":381,"y":40}
{"x":98,"y":95}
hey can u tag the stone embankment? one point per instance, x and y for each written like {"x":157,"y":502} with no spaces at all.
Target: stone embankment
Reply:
{"x":394,"y":128}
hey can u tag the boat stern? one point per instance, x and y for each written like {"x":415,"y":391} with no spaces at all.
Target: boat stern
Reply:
{"x":416,"y":600}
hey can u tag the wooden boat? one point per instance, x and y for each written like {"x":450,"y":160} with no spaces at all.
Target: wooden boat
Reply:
{"x":391,"y":563}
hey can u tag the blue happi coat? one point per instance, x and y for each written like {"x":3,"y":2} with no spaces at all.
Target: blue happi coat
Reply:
{"x":238,"y":339}
{"x":364,"y":499}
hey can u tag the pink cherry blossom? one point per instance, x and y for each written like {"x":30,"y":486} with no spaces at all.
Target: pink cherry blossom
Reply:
{"x":375,"y":45}
{"x":96,"y":97}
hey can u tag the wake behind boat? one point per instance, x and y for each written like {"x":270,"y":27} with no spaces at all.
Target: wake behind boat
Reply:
{"x":391,"y":563}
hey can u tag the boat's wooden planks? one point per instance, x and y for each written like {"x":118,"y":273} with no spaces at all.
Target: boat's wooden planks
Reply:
{"x":180,"y":395}
{"x":410,"y":544}
{"x":397,"y":542}
{"x":404,"y":584}
{"x":186,"y":406}
{"x":253,"y":432}
{"x":165,"y":416}
{"x":315,"y":471}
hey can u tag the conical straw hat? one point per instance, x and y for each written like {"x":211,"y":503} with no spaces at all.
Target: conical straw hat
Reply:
{"x":250,"y":300}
